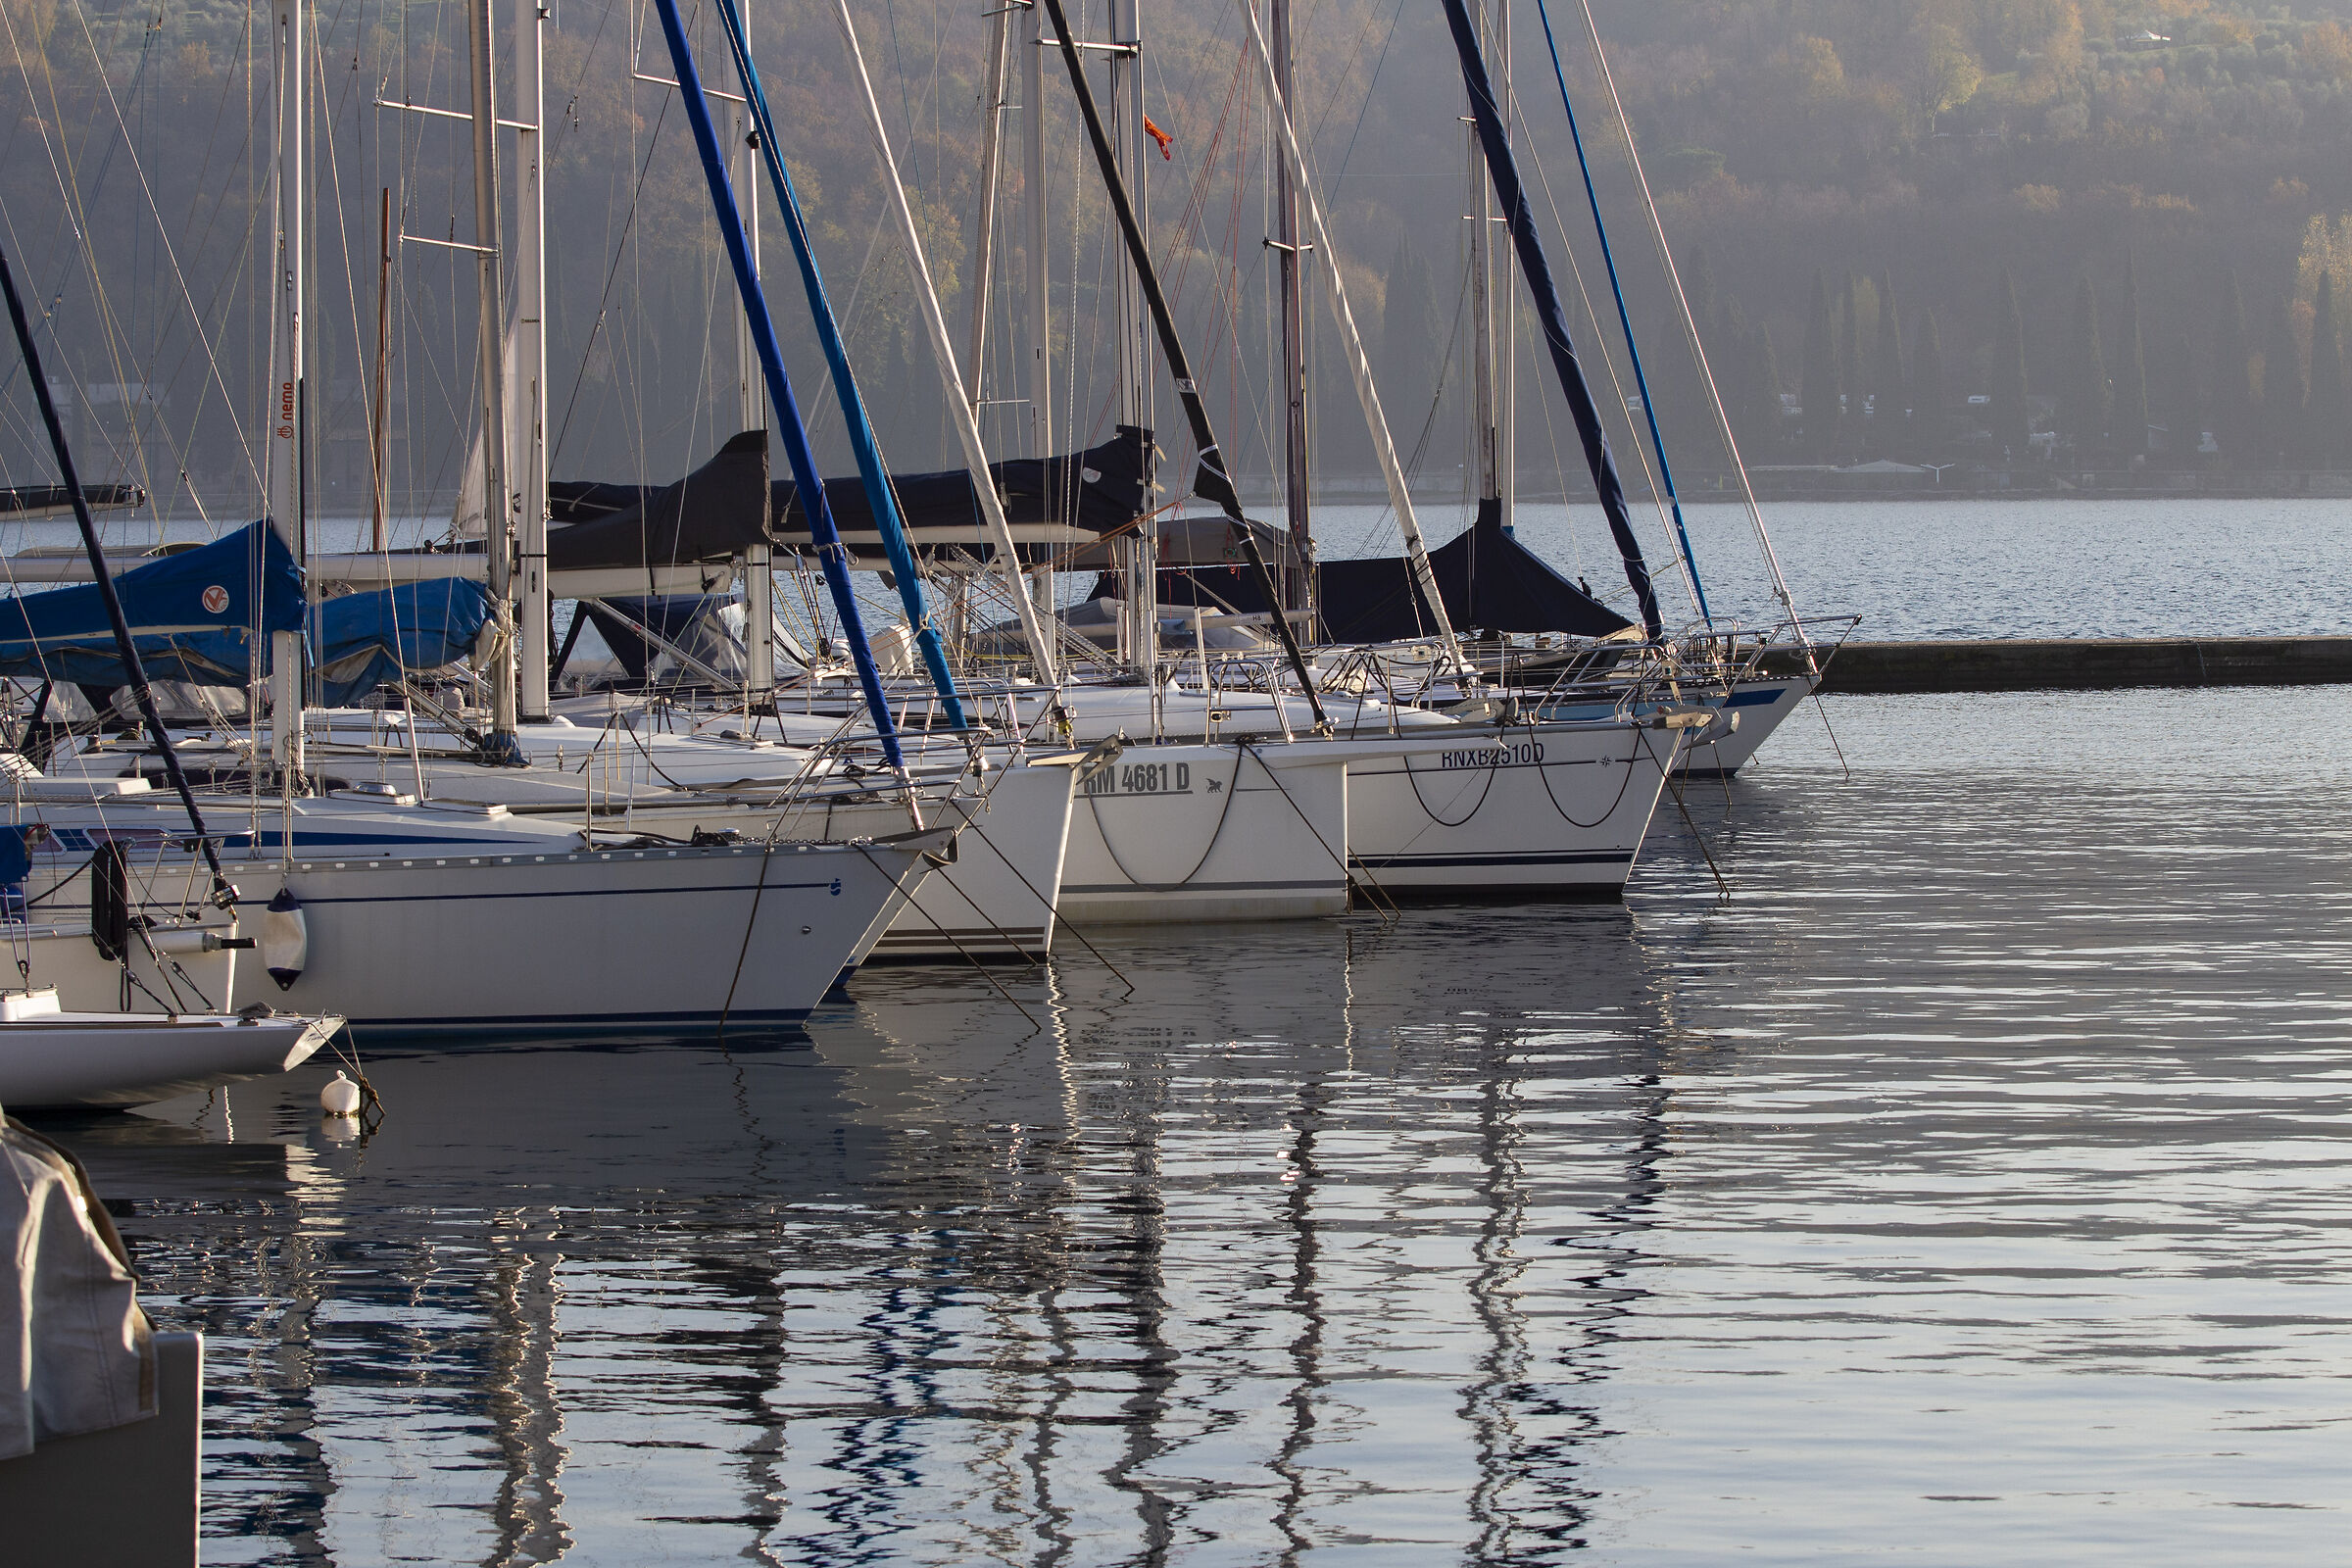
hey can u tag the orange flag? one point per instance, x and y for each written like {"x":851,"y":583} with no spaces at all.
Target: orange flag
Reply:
{"x":1161,"y":136}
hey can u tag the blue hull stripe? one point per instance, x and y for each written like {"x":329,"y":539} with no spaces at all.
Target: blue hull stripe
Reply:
{"x":1414,"y":861}
{"x":584,"y":893}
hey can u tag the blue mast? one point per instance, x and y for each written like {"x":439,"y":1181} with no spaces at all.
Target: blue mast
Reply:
{"x":1536,"y":270}
{"x":821,"y":532}
{"x":878,"y":492}
{"x":1649,"y":409}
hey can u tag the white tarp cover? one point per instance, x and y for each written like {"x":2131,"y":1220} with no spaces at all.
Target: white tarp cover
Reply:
{"x":76,"y":1351}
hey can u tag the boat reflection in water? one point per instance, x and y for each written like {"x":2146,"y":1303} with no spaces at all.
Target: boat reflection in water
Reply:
{"x":1982,"y":1151}
{"x":1069,"y":1268}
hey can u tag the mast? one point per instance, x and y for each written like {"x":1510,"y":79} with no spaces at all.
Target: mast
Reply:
{"x":879,"y":495}
{"x":830,"y":550}
{"x":497,"y":503}
{"x":1210,"y":480}
{"x":284,"y":479}
{"x":1033,"y":197}
{"x":750,"y":413}
{"x":1359,"y":365}
{"x":1137,"y":552}
{"x":1536,"y":269}
{"x":1482,"y":326}
{"x":962,"y":412}
{"x":1289,"y":260}
{"x":529,"y":443}
{"x":984,"y":226}
{"x":1505,"y":303}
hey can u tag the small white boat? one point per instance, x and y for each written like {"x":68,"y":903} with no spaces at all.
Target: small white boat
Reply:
{"x":52,"y":1059}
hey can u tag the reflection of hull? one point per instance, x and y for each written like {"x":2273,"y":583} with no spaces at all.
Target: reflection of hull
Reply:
{"x":93,"y":1060}
{"x":1542,"y":808}
{"x":1185,"y":833}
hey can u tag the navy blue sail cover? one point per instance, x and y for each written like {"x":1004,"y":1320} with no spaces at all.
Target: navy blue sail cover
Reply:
{"x":194,"y":616}
{"x":1489,"y":580}
{"x":362,"y":641}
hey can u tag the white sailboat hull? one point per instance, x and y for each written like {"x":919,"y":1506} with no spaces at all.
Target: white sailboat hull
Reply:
{"x":1170,"y":834}
{"x":614,"y":942}
{"x":94,"y":1061}
{"x":1761,"y":707}
{"x":1541,"y":810}
{"x":1756,"y":708}
{"x":997,"y":899}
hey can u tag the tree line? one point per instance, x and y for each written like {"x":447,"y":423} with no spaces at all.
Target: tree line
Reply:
{"x":1873,"y":379}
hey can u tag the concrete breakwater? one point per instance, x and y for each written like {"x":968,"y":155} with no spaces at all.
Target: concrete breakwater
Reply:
{"x":2038,"y":664}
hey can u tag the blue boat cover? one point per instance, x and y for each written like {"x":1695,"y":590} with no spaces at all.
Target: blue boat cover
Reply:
{"x":362,"y":641}
{"x":193,"y":617}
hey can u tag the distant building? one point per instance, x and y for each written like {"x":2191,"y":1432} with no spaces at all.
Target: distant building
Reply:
{"x":2144,"y":39}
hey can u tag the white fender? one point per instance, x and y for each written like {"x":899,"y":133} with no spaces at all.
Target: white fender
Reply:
{"x":340,"y":1098}
{"x":285,"y":939}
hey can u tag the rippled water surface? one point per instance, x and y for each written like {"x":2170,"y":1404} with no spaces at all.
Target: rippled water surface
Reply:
{"x":1971,"y":1186}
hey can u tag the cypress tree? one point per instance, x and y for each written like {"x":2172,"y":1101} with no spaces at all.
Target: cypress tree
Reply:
{"x":2284,"y":393}
{"x":1893,"y":400}
{"x":2327,"y":417}
{"x":1820,"y":385}
{"x":1765,"y":413}
{"x":1927,"y":376}
{"x":2085,"y":411}
{"x":2234,"y":377}
{"x":1409,"y":334}
{"x":1698,"y":290}
{"x":1849,"y":378}
{"x":2128,"y":420}
{"x":2184,"y":406}
{"x":2011,"y":423}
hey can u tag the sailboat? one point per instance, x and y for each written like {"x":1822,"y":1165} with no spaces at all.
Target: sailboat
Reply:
{"x":97,"y":1057}
{"x":462,"y":916}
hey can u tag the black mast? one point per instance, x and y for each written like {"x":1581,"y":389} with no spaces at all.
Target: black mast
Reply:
{"x":1537,"y":269}
{"x":223,"y":894}
{"x":1211,"y":481}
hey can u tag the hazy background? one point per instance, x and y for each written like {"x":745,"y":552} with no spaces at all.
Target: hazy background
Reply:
{"x":1882,"y":170}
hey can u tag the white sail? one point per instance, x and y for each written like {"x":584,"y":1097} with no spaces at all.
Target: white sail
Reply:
{"x":467,"y":518}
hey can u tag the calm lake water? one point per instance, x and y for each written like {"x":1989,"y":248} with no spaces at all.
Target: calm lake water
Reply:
{"x":1972,"y":1185}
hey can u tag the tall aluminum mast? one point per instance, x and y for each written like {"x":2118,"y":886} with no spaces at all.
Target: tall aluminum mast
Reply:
{"x":750,"y":413}
{"x":285,"y":480}
{"x":984,"y":225}
{"x":498,"y":501}
{"x":1351,"y":345}
{"x":1138,"y":552}
{"x":528,"y":443}
{"x":1289,"y":258}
